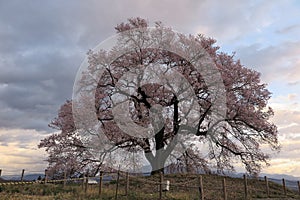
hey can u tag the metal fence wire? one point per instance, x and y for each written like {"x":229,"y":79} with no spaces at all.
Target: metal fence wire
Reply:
{"x":162,"y":186}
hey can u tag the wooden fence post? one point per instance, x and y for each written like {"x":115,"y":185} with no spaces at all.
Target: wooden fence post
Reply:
{"x":65,"y":177}
{"x":298,"y":186}
{"x":22,"y":175}
{"x":117,"y":184}
{"x":100,"y":183}
{"x":46,"y":176}
{"x":224,"y":189}
{"x":201,"y":193}
{"x":0,"y":172}
{"x":86,"y":182}
{"x":267,"y":186}
{"x":283,"y":186}
{"x":83,"y":181}
{"x":161,"y":185}
{"x":127,"y":184}
{"x":245,"y":187}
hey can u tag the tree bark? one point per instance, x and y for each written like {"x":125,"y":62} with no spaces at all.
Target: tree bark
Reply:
{"x":158,"y":171}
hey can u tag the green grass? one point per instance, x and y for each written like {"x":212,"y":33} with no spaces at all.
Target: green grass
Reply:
{"x":182,"y":187}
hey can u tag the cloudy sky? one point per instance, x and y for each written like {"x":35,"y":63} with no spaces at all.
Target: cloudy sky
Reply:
{"x":42,"y":44}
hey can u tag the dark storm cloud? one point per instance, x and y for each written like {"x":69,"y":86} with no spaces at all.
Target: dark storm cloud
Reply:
{"x":33,"y":86}
{"x":39,"y":57}
{"x":44,"y":42}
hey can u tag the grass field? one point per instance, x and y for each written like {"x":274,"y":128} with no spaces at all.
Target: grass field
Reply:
{"x":182,"y":186}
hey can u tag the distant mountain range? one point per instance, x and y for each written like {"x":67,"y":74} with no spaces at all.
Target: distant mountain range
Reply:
{"x":281,"y":176}
{"x":2,"y":180}
{"x":290,"y":181}
{"x":270,"y":176}
{"x":28,"y":177}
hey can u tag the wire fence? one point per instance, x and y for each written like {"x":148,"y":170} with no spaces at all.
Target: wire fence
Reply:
{"x":164,"y":186}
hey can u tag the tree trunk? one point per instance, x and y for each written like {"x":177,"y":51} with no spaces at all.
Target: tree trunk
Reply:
{"x":157,"y":165}
{"x":158,"y":171}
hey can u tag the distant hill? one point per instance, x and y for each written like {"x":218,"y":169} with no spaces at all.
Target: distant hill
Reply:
{"x":28,"y":177}
{"x":281,"y":176}
{"x":270,"y":176}
{"x":290,"y":181}
{"x":2,"y":180}
{"x":182,"y":186}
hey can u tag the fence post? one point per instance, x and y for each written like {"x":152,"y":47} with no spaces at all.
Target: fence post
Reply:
{"x":117,"y":184}
{"x":46,"y":176}
{"x":127,"y":184}
{"x":283,"y":186}
{"x":161,"y":184}
{"x":86,"y":182}
{"x":100,"y":183}
{"x":22,"y":175}
{"x":245,"y":186}
{"x":201,"y":193}
{"x":83,"y":181}
{"x":298,"y":186}
{"x":0,"y":172}
{"x":267,"y":186}
{"x":65,"y":177}
{"x":224,"y":189}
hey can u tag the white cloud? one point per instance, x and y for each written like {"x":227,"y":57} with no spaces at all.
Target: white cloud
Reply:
{"x":280,"y":62}
{"x":287,"y":118}
{"x":18,"y":150}
{"x":288,"y":166}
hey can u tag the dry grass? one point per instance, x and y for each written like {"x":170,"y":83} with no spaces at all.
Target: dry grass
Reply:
{"x":183,"y":187}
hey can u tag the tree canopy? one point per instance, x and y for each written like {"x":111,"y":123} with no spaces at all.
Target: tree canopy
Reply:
{"x":153,"y":103}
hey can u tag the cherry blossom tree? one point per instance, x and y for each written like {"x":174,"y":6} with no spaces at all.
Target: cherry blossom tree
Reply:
{"x":175,"y":116}
{"x":65,"y":149}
